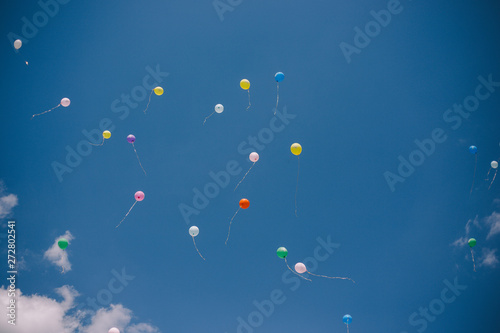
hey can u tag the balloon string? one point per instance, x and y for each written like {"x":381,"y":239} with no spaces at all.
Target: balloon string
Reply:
{"x":474,"y":178}
{"x":347,"y":328}
{"x":62,"y":269}
{"x":97,"y":145}
{"x":139,"y":159}
{"x":208,"y":117}
{"x":331,"y":277}
{"x":244,"y":176}
{"x":488,"y":175}
{"x":196,"y":247}
{"x":291,"y":270}
{"x":297,"y":186}
{"x":277,"y":97}
{"x":147,"y":106}
{"x":249,"y":104}
{"x":38,"y":114}
{"x":473,"y":262}
{"x":493,"y":179}
{"x":126,"y":214}
{"x":230,"y":222}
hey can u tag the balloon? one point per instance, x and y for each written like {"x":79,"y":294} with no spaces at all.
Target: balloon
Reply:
{"x":194,"y":231}
{"x":296,"y":149}
{"x":473,"y":151}
{"x":245,"y":84}
{"x":219,"y":108}
{"x":254,"y":157}
{"x":106,"y":134}
{"x":139,"y":195}
{"x":63,"y":243}
{"x":472,"y":242}
{"x":65,"y":102}
{"x":114,"y":330}
{"x":300,"y":268}
{"x":282,"y":252}
{"x":158,"y":91}
{"x":17,"y":44}
{"x":279,"y":77}
{"x":347,"y":319}
{"x":131,"y":138}
{"x":494,"y":164}
{"x":244,"y":203}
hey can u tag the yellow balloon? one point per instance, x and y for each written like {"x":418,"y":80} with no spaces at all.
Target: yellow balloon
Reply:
{"x":106,"y":134}
{"x":296,"y":149}
{"x":245,"y":84}
{"x":158,"y":91}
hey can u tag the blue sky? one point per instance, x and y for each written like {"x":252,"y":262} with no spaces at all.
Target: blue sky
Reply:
{"x":353,"y":115}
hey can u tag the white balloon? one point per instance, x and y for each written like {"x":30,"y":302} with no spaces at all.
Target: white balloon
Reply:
{"x":194,"y":231}
{"x":114,"y":330}
{"x":254,"y":157}
{"x":219,"y":108}
{"x":17,"y":44}
{"x":494,"y":164}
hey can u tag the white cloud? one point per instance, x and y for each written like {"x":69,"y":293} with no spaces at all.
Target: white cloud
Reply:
{"x":116,"y":316}
{"x":489,"y":258}
{"x":57,"y":256}
{"x":493,"y":221}
{"x":40,"y":313}
{"x":142,"y":328}
{"x":7,"y":202}
{"x":465,"y":239}
{"x":43,"y":314}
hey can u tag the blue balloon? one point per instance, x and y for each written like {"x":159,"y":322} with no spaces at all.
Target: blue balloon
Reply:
{"x":279,"y":77}
{"x":473,"y":149}
{"x":347,"y":319}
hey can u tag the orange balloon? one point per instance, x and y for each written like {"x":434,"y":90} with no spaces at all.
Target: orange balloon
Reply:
{"x":244,"y":203}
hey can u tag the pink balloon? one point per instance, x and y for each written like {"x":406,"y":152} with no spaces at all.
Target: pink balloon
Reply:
{"x":139,"y":195}
{"x":300,"y":268}
{"x":254,"y":157}
{"x":114,"y":330}
{"x":65,"y":102}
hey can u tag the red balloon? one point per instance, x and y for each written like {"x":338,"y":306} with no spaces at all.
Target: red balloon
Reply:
{"x":244,"y":203}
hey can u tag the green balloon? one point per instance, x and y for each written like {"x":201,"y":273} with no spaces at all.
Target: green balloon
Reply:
{"x":282,"y":252}
{"x":472,"y":242}
{"x":63,"y":243}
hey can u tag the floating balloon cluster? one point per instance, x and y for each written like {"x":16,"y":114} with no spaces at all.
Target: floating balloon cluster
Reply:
{"x":300,"y":268}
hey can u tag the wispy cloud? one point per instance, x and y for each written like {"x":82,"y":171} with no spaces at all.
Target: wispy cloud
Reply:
{"x":493,"y":222}
{"x":142,"y":328}
{"x":463,"y":240}
{"x":7,"y":201}
{"x":489,"y":258}
{"x":57,"y":256}
{"x":46,"y":315}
